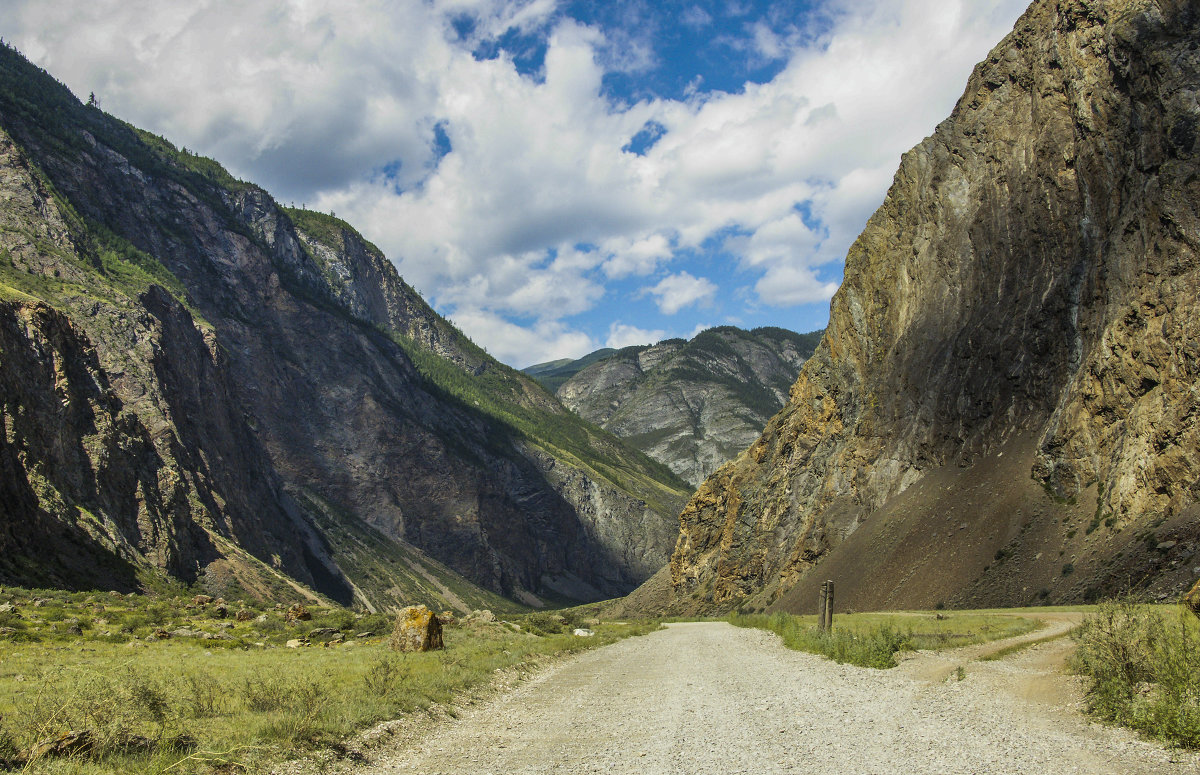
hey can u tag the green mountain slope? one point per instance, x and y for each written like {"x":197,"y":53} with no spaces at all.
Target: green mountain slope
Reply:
{"x":193,"y":375}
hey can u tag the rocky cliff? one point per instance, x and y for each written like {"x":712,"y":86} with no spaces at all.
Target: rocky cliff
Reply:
{"x":194,"y":375}
{"x":692,"y":405}
{"x":1004,"y":406}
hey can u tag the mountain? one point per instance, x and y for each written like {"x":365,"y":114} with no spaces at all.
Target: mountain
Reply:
{"x":1004,"y":407}
{"x":691,"y":405}
{"x":553,"y":374}
{"x":198,"y":381}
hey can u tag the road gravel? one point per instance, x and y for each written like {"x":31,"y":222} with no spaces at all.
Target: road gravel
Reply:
{"x":713,"y":698}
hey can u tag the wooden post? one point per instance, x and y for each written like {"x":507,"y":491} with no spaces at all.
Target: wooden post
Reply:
{"x":828,"y":606}
{"x":822,"y":603}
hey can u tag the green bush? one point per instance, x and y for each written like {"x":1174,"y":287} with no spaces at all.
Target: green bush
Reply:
{"x":1143,"y":669}
{"x":875,"y":647}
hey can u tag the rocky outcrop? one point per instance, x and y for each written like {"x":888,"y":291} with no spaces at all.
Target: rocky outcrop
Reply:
{"x":692,"y":406}
{"x":260,"y":381}
{"x":1027,"y":292}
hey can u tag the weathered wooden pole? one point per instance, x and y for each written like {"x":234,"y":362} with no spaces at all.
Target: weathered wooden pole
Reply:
{"x":828,"y":606}
{"x":822,"y":602}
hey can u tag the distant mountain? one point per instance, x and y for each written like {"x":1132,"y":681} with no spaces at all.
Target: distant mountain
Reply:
{"x":690,"y":405}
{"x":196,"y":381}
{"x":553,"y":374}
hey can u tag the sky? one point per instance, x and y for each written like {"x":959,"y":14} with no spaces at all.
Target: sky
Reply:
{"x":554,"y":176}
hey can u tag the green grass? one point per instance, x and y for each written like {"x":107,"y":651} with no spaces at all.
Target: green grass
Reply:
{"x":185,"y":705}
{"x":873,"y":639}
{"x":1142,"y":664}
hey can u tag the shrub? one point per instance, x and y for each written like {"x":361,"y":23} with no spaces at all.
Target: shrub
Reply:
{"x":1143,"y":670}
{"x":875,"y":647}
{"x":384,"y":675}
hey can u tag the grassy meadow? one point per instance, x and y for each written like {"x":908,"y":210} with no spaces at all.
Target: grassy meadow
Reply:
{"x":167,"y":685}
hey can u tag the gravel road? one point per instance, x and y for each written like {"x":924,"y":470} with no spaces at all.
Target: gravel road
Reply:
{"x":712,"y":698}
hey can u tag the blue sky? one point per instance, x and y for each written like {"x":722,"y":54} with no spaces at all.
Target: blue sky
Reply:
{"x":555,"y":176}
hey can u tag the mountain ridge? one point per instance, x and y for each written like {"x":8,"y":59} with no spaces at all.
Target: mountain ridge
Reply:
{"x":277,"y":342}
{"x":692,"y":405}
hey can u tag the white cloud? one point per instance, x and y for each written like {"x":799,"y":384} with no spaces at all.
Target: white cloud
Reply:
{"x":536,"y":208}
{"x":523,"y":346}
{"x":677,"y":291}
{"x":622,"y":335}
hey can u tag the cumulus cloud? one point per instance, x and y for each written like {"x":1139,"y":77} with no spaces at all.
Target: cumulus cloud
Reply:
{"x":531,"y":205}
{"x":677,"y":291}
{"x":622,"y":335}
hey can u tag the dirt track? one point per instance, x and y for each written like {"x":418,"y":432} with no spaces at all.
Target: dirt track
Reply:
{"x":710,"y":697}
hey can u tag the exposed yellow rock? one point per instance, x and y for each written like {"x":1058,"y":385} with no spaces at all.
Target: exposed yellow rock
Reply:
{"x":416,"y":629}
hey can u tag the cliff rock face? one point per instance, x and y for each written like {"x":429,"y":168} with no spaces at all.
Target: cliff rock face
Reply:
{"x":1004,"y":406}
{"x":692,"y":405}
{"x":193,"y":374}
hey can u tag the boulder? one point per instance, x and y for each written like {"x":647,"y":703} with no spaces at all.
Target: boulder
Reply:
{"x":295,"y":643}
{"x":244,"y":615}
{"x":201,"y":600}
{"x":297,"y":613}
{"x":484,"y":616}
{"x":447,"y":618}
{"x":584,"y":633}
{"x":417,"y":629}
{"x":220,"y":611}
{"x":322,"y":632}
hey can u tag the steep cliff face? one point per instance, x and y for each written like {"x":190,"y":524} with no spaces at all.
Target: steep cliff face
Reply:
{"x":121,"y":446}
{"x":1027,"y":292}
{"x":281,"y":390}
{"x":692,"y":405}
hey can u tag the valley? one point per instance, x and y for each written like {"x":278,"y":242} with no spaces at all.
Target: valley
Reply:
{"x":235,"y":441}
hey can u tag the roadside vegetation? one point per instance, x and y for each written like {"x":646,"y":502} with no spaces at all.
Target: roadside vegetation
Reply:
{"x":1142,"y":664}
{"x":103,"y":683}
{"x":873,"y":639}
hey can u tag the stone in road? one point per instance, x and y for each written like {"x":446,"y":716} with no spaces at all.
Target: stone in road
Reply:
{"x":709,"y":697}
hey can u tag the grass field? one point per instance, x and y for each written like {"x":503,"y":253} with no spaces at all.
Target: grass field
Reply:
{"x":872,"y":639}
{"x":187,"y":704}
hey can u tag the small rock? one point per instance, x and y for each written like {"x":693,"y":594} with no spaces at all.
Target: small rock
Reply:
{"x":201,"y":600}
{"x":73,"y":743}
{"x":184,"y":632}
{"x":584,"y":633}
{"x":7,"y":608}
{"x":7,"y":632}
{"x":295,"y":643}
{"x":321,"y":632}
{"x":366,"y":634}
{"x":1166,"y":545}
